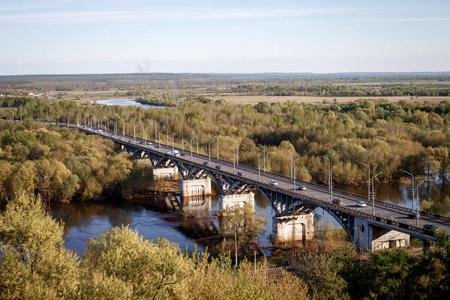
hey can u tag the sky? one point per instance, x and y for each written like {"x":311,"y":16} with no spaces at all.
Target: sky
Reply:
{"x":223,"y":36}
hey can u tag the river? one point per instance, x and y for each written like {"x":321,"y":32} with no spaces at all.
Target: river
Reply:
{"x":125,"y":102}
{"x":84,"y":220}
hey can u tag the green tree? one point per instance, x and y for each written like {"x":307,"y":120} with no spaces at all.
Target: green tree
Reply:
{"x":155,"y":270}
{"x":33,"y":261}
{"x":243,"y":221}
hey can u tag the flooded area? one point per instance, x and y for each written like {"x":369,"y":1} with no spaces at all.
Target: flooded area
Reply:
{"x":125,"y":102}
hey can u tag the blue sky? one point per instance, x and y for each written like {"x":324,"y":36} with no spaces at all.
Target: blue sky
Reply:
{"x":70,"y":37}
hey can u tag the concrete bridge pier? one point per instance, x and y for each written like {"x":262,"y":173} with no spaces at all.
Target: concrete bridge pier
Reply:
{"x":195,"y":187}
{"x":238,"y":199}
{"x":169,"y":173}
{"x":294,"y":227}
{"x":372,"y":237}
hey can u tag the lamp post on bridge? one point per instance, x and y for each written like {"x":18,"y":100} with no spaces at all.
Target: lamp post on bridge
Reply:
{"x":331,"y":182}
{"x":417,"y":203}
{"x":143,"y":134}
{"x":368,"y":182}
{"x":173,"y":143}
{"x":209,"y":149}
{"x":373,"y":194}
{"x":182,"y":139}
{"x":259,"y":167}
{"x":291,"y":162}
{"x":195,"y":137}
{"x":329,"y":170}
{"x":412,"y":187}
{"x":294,"y":169}
{"x":264,"y":156}
{"x":330,"y":177}
{"x":159,"y":137}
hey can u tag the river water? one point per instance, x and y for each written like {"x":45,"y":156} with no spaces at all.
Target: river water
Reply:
{"x":125,"y":102}
{"x":84,"y":220}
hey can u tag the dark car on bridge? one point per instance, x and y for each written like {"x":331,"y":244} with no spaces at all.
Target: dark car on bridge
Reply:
{"x":337,"y":201}
{"x":241,"y":174}
{"x":205,"y":163}
{"x":413,"y":215}
{"x":430,"y":227}
{"x":219,"y":167}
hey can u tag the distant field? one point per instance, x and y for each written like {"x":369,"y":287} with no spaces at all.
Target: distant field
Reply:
{"x":310,"y":99}
{"x":236,"y":99}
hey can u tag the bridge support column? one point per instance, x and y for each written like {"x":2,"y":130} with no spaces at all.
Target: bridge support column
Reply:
{"x":165,"y":173}
{"x":238,"y":199}
{"x":371,"y":237}
{"x":195,"y":187}
{"x":294,"y":228}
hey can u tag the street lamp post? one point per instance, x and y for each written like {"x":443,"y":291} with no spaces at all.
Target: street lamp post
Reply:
{"x":294,"y":169}
{"x":143,"y":134}
{"x":134,"y":131}
{"x":291,"y":162}
{"x":264,"y":156}
{"x":195,"y":137}
{"x":259,"y":166}
{"x":209,"y":149}
{"x":373,"y":194}
{"x":217,"y":148}
{"x":368,"y":183}
{"x":182,"y":139}
{"x":417,"y":203}
{"x":331,"y":182}
{"x":173,"y":144}
{"x":235,"y":156}
{"x":159,"y":138}
{"x":329,"y":169}
{"x":412,"y":185}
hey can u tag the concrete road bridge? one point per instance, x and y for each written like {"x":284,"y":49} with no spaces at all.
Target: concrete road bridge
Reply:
{"x":375,"y":226}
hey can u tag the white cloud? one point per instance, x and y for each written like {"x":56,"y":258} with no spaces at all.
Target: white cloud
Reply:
{"x":116,"y":16}
{"x":387,"y":20}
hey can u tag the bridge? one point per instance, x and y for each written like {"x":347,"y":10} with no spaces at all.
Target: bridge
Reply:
{"x":364,"y":225}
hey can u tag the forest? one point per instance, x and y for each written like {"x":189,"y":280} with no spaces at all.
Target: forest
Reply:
{"x":121,"y":264}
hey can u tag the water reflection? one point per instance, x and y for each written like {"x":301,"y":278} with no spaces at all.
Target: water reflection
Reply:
{"x":198,"y":225}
